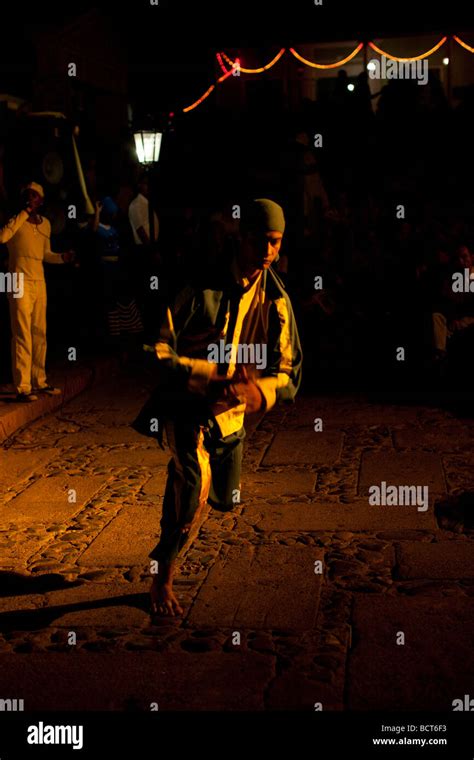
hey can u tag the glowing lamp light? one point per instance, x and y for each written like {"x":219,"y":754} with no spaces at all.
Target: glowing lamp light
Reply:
{"x":148,"y":146}
{"x":371,"y":66}
{"x":446,"y":61}
{"x":350,"y":87}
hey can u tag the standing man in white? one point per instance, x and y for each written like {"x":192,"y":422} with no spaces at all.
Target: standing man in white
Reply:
{"x":145,"y":260}
{"x":27,"y":236}
{"x":138,"y":214}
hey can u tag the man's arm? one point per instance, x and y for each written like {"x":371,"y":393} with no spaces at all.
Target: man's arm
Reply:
{"x":139,"y":220}
{"x":13,"y":225}
{"x":48,"y":255}
{"x":141,"y":232}
{"x":191,"y":374}
{"x":461,"y":323}
{"x":282,"y":377}
{"x":138,"y":217}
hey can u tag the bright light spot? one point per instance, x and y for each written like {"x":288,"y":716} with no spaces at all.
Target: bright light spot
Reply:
{"x":148,"y":146}
{"x":445,"y":61}
{"x":350,"y":87}
{"x":371,"y":66}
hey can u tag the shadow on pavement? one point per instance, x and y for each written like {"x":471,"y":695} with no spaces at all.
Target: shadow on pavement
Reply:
{"x":16,"y":584}
{"x":34,"y":619}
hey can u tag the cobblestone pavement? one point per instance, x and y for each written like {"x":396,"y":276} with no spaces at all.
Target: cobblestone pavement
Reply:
{"x":304,"y":597}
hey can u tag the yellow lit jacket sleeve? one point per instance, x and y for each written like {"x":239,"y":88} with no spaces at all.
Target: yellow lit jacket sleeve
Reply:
{"x":281,"y":379}
{"x":185,"y":372}
{"x":182,"y":378}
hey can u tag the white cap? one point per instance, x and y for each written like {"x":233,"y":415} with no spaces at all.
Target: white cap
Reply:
{"x":37,"y":188}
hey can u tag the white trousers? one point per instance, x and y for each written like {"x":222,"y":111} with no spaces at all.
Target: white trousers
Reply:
{"x":28,"y":325}
{"x":440,"y":331}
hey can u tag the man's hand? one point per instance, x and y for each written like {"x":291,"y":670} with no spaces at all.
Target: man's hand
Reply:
{"x":250,"y":394}
{"x":68,"y":256}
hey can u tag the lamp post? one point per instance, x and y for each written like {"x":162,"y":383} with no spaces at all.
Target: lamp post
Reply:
{"x":148,"y":147}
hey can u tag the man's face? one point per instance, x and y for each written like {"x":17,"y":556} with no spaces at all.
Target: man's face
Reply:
{"x":263,"y":248}
{"x":34,"y":199}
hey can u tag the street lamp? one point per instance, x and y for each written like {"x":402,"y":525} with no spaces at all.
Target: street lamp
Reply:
{"x":148,"y":146}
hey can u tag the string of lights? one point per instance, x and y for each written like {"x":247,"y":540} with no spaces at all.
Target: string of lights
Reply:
{"x":219,"y":61}
{"x":236,"y":66}
{"x":208,"y":92}
{"x":413,"y":58}
{"x":327,"y":65}
{"x":260,"y":69}
{"x":463,"y":44}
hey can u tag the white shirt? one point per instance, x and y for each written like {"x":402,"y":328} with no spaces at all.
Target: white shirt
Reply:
{"x":138,"y":216}
{"x":28,"y":246}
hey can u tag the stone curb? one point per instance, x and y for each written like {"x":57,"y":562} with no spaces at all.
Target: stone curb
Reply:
{"x":14,"y":416}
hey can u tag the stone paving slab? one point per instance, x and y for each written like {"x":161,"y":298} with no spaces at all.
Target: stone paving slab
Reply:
{"x":176,"y":681}
{"x":422,"y":469}
{"x":15,"y":466}
{"x":260,"y":587}
{"x":114,"y":616}
{"x":46,"y":500}
{"x":321,"y":516}
{"x":345,"y":412}
{"x":127,"y":540}
{"x":21,"y":602}
{"x":460,"y":477}
{"x":293,"y":690}
{"x":124,"y":396}
{"x":99,"y":419}
{"x":439,"y":437}
{"x":16,"y":557}
{"x":307,"y":447}
{"x":434,"y":667}
{"x":267,"y":484}
{"x":156,"y":485}
{"x":447,"y":559}
{"x":150,"y":457}
{"x":93,"y":593}
{"x":101,"y":436}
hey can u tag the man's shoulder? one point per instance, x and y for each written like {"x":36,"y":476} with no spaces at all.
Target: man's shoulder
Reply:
{"x":134,"y":204}
{"x":139,"y":200}
{"x":275,"y":287}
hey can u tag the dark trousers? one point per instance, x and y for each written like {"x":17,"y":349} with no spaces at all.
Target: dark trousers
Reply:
{"x":205,"y":468}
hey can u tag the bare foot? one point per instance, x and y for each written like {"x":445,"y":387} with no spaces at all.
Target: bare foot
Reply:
{"x":163,"y":599}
